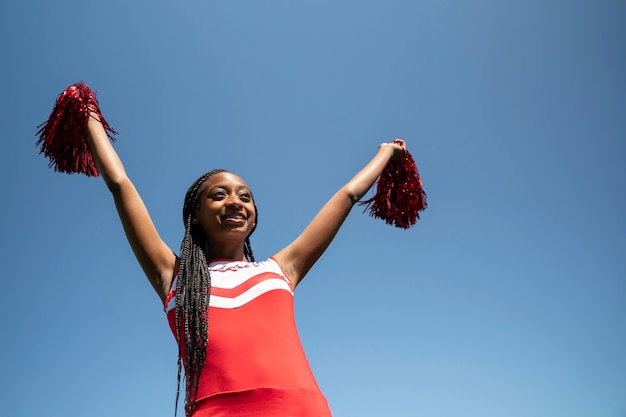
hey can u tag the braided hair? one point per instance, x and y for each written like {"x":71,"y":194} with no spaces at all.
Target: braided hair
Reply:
{"x":193,"y":290}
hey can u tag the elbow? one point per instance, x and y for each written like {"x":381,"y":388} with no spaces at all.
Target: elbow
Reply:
{"x":115,"y":183}
{"x":353,"y":194}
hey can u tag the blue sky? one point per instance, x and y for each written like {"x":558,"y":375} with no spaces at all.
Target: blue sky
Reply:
{"x":508,"y":298}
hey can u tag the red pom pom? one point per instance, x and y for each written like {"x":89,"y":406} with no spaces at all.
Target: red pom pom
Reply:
{"x":63,"y":138}
{"x":399,"y":194}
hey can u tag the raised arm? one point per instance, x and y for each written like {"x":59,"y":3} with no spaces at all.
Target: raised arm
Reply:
{"x":298,"y":257}
{"x":155,"y":257}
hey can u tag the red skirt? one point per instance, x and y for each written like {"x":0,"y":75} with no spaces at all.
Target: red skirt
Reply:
{"x":264,"y":402}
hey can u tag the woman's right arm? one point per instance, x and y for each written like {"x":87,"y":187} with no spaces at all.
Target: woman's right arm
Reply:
{"x":157,"y":260}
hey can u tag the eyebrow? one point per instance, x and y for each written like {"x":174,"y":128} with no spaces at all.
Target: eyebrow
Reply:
{"x":238,"y":187}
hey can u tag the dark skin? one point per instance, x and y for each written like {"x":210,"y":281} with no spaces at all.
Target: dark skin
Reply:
{"x":226,"y":213}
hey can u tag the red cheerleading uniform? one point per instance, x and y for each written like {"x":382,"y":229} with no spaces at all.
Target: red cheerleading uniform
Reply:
{"x":255,"y":364}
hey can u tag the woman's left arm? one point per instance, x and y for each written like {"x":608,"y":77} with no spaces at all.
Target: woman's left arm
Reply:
{"x":299,"y":256}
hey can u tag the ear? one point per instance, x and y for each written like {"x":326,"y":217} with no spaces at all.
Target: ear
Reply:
{"x":194,"y":216}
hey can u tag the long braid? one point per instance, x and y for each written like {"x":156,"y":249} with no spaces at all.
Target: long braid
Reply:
{"x":247,"y":248}
{"x":193,"y":291}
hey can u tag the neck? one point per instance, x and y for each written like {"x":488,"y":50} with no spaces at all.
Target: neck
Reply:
{"x":225,"y":251}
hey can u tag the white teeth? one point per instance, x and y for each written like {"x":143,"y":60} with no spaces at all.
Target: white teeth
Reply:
{"x":234,"y":216}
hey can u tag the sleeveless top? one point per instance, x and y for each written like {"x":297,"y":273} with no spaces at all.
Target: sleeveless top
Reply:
{"x":253,"y":342}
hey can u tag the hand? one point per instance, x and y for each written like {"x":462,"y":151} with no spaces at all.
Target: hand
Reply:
{"x":398,"y":147}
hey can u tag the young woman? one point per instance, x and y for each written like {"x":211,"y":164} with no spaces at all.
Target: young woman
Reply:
{"x":231,"y":315}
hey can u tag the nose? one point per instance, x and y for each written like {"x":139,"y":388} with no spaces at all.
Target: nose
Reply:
{"x":234,"y":201}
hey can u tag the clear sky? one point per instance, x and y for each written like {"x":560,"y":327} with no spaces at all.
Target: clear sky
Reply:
{"x":508,"y":298}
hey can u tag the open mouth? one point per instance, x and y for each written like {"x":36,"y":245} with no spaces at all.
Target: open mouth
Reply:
{"x":234,"y":217}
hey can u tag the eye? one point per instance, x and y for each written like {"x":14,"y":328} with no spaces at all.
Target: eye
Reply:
{"x":245,"y":197}
{"x":218,"y":195}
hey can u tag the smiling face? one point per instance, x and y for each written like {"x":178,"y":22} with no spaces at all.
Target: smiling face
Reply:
{"x":225,"y":209}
